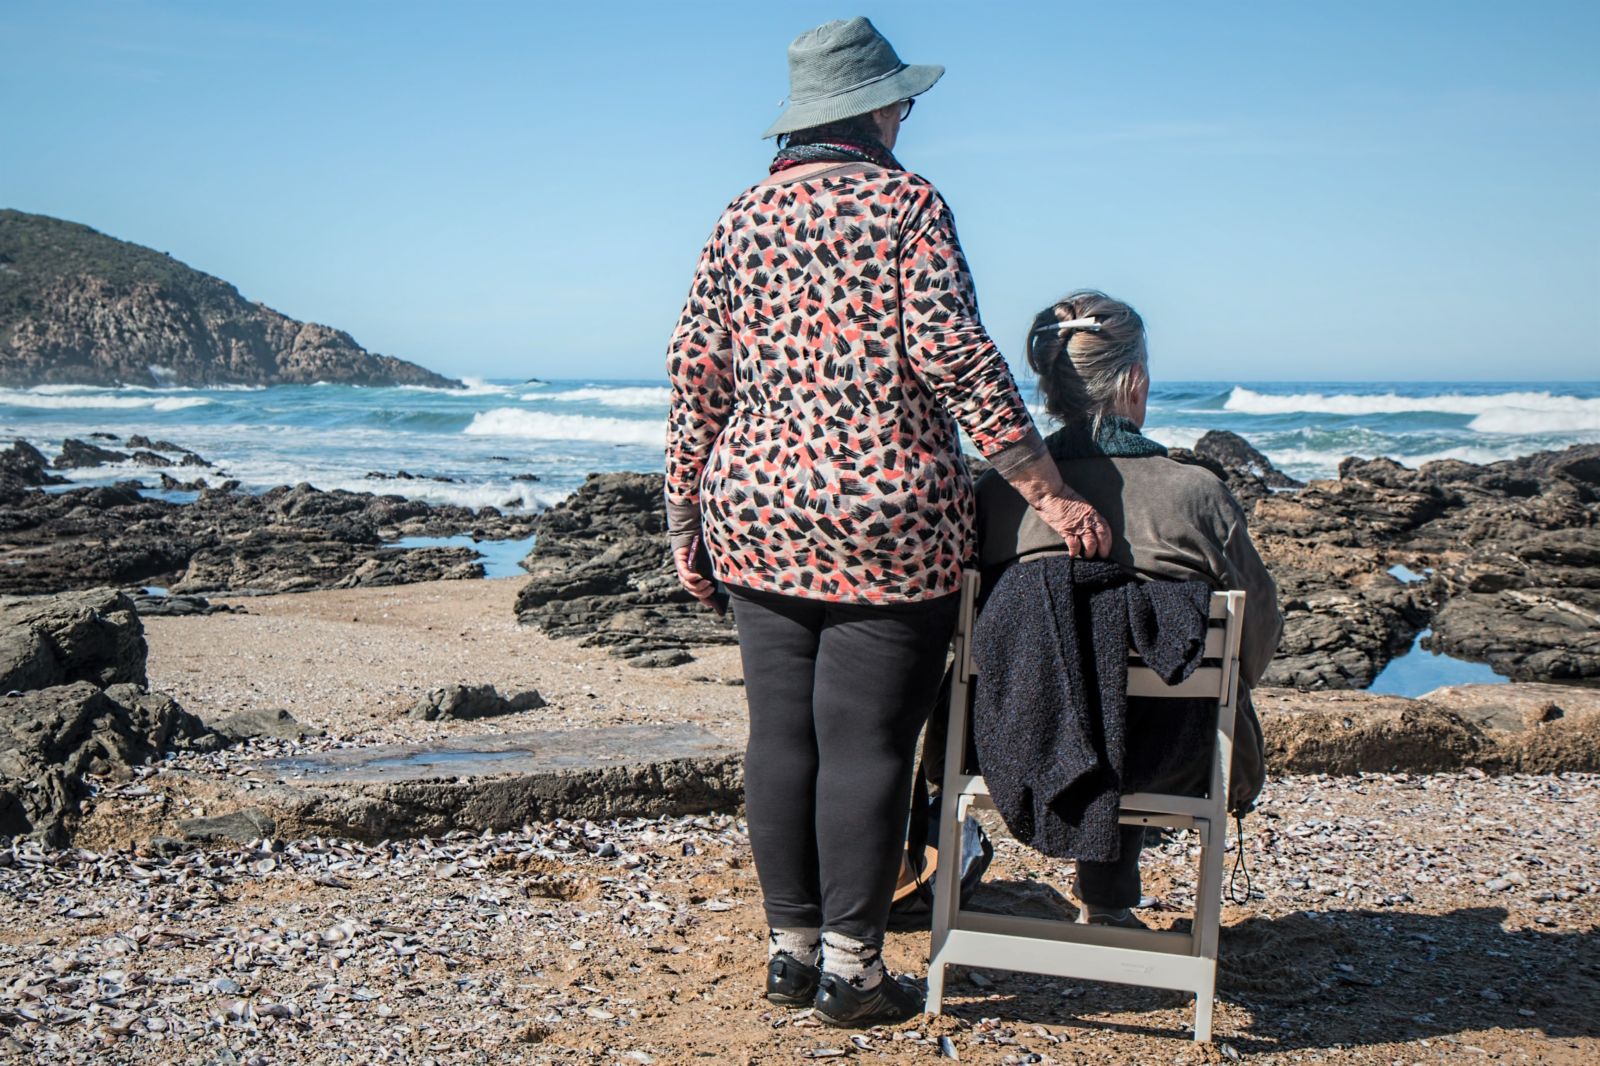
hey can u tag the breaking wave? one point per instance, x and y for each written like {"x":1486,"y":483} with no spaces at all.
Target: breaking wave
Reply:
{"x":623,"y":396}
{"x":50,"y":398}
{"x":474,"y":387}
{"x":539,"y":425}
{"x":1531,"y":412}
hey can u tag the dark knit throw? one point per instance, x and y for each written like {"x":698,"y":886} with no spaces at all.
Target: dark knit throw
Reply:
{"x":1050,"y":713}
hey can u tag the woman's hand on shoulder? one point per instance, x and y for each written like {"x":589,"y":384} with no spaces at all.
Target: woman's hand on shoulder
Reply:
{"x":1073,"y":518}
{"x":1078,"y":524}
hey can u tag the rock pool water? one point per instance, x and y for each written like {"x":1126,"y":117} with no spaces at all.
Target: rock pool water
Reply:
{"x":500,"y":557}
{"x":1420,"y":671}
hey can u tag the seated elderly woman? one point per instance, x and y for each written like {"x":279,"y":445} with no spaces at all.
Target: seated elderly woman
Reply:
{"x":1170,"y":521}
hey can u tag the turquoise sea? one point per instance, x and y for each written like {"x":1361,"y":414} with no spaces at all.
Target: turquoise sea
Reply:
{"x":486,"y":435}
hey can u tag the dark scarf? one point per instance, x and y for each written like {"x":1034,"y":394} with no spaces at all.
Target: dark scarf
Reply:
{"x":1117,"y":437}
{"x":834,"y":150}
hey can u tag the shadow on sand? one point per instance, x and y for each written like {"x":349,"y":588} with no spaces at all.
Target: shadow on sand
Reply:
{"x":1315,"y":979}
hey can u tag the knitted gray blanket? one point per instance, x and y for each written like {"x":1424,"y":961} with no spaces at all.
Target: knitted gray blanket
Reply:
{"x":1050,"y":711}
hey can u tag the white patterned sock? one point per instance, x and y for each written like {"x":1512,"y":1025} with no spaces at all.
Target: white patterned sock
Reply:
{"x":802,"y":943}
{"x":858,"y":963}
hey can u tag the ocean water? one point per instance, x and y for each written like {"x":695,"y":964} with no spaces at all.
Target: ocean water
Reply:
{"x":482,"y":437}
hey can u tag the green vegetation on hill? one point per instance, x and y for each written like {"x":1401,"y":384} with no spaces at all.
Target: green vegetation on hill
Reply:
{"x":35,"y":249}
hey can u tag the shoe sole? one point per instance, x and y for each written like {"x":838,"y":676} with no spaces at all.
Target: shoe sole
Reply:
{"x":863,"y":1023}
{"x":790,"y":1001}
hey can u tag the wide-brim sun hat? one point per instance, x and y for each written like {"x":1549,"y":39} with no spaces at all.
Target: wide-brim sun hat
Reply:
{"x":846,"y":68}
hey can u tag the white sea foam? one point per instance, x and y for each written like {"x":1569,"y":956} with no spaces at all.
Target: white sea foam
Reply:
{"x":621,"y":396}
{"x":40,"y":400}
{"x":1531,"y":407}
{"x":1312,"y":462}
{"x":1583,"y":424}
{"x":517,"y":495}
{"x":539,"y":425}
{"x":1173,"y":436}
{"x":474,"y":387}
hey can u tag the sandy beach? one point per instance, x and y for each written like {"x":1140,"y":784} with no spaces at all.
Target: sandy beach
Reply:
{"x":352,"y":661}
{"x":1396,"y":917}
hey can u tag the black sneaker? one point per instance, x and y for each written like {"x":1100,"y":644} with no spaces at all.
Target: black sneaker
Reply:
{"x":891,"y":1000}
{"x":790,"y":982}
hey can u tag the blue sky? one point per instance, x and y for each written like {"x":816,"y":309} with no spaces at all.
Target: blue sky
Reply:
{"x":1286,"y":191}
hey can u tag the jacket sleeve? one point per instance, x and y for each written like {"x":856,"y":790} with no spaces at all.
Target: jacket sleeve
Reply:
{"x":947,"y":345}
{"x":700,"y":369}
{"x":1263,"y":620}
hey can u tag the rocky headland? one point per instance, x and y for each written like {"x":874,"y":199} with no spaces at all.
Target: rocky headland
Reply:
{"x":78,"y":307}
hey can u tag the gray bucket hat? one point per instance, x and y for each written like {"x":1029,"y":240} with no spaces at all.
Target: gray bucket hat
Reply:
{"x":842,"y":69}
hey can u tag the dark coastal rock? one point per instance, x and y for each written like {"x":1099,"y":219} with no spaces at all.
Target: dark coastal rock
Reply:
{"x":72,"y":670}
{"x":255,"y":722}
{"x":1532,"y":633}
{"x":186,"y":457}
{"x":27,"y":465}
{"x":51,"y":738}
{"x":406,"y":475}
{"x":1233,"y":452}
{"x":139,"y":440}
{"x":266,"y":563}
{"x":175,"y":605}
{"x":1512,"y":545}
{"x":1350,"y":512}
{"x":147,"y":458}
{"x":285,"y":539}
{"x":94,"y":637}
{"x":79,"y":307}
{"x":459,"y":702}
{"x":172,"y":484}
{"x":1344,"y":616}
{"x":76,"y":455}
{"x":656,"y":660}
{"x":602,"y":573}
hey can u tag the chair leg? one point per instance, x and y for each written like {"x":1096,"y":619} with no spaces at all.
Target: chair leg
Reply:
{"x":946,"y":892}
{"x":1203,"y":1002}
{"x":935,"y":987}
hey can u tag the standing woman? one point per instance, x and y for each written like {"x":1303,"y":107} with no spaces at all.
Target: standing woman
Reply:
{"x":829,"y":348}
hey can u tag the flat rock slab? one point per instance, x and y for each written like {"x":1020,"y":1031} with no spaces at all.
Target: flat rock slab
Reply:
{"x":494,"y":783}
{"x":1518,"y":707}
{"x":537,"y":752}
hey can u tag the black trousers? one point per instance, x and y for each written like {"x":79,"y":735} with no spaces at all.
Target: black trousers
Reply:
{"x":1115,"y":883}
{"x":837,"y":694}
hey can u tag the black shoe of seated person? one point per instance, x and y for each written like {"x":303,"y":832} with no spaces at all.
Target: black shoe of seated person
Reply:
{"x":891,"y":1000}
{"x":790,"y":982}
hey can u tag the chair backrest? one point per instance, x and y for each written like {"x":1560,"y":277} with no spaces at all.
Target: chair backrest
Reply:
{"x":1214,"y":679}
{"x":1217,"y":678}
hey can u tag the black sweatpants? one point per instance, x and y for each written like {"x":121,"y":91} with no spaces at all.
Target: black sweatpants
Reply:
{"x":837,"y":693}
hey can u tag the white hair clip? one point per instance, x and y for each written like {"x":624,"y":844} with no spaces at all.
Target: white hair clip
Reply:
{"x":1090,"y":324}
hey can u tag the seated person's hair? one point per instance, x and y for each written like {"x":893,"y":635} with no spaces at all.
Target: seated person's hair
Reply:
{"x":1085,"y":369}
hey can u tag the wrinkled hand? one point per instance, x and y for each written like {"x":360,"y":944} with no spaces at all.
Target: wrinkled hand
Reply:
{"x":694,"y":584}
{"x":1079,"y":525}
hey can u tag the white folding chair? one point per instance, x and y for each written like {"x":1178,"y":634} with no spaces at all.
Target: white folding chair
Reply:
{"x":1152,"y":958}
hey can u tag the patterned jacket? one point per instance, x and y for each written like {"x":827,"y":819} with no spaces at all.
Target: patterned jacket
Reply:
{"x":828,"y":349}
